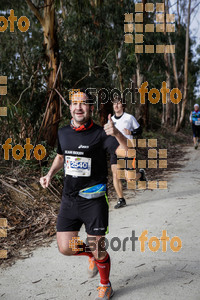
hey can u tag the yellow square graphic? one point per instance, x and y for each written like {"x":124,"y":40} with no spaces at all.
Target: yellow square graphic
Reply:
{"x":131,"y":164}
{"x":138,"y":48}
{"x":142,"y":164}
{"x":131,"y":175}
{"x":128,"y":27}
{"x":121,"y":152}
{"x":149,"y":28}
{"x":152,"y":164}
{"x":3,"y":222}
{"x":3,"y":79}
{"x":141,"y":142}
{"x":160,"y":18}
{"x":138,"y":7}
{"x":160,"y":48}
{"x":3,"y":233}
{"x":3,"y":111}
{"x":152,"y":153}
{"x":138,"y":27}
{"x":129,"y":38}
{"x":159,"y":28}
{"x":128,"y":18}
{"x":3,"y":90}
{"x":162,"y":153}
{"x":162,"y":184}
{"x":170,"y":18}
{"x":152,"y":185}
{"x":131,"y":153}
{"x":3,"y":254}
{"x":149,"y":48}
{"x":170,"y":48}
{"x":72,"y":91}
{"x":160,"y":7}
{"x":142,"y":185}
{"x":152,"y":143}
{"x":170,"y":28}
{"x":121,"y":174}
{"x":121,"y":164}
{"x":149,"y":7}
{"x":139,"y":38}
{"x":139,"y":17}
{"x":131,"y":185}
{"x":131,"y":143}
{"x":163,"y":164}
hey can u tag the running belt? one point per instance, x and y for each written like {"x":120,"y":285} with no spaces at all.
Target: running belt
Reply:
{"x":93,"y":192}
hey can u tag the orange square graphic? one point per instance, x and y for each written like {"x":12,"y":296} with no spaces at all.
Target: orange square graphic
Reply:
{"x":152,"y":153}
{"x":121,"y":153}
{"x":3,"y":111}
{"x":152,"y":164}
{"x":170,"y":18}
{"x":162,"y":185}
{"x":162,"y":164}
{"x":142,"y":164}
{"x":3,"y":232}
{"x":128,"y":17}
{"x":121,"y":164}
{"x":149,"y":48}
{"x":162,"y":153}
{"x":141,"y":142}
{"x":139,"y":38}
{"x":149,"y":28}
{"x":131,"y":164}
{"x":149,"y":7}
{"x":131,"y":153}
{"x":131,"y":174}
{"x":138,"y":27}
{"x":170,"y":48}
{"x":131,"y":143}
{"x":152,"y":143}
{"x":142,"y":185}
{"x":160,"y":7}
{"x":159,"y":28}
{"x":128,"y":27}
{"x":3,"y":79}
{"x":138,"y":7}
{"x":139,"y":17}
{"x":129,"y":38}
{"x":160,"y":48}
{"x":3,"y":222}
{"x":3,"y":254}
{"x":152,"y":185}
{"x":160,"y":18}
{"x":131,"y":185}
{"x":138,"y":48}
{"x":121,"y":174}
{"x":170,"y":27}
{"x":3,"y":90}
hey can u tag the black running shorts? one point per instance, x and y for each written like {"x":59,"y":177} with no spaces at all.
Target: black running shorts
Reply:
{"x":75,"y":211}
{"x":196,"y":130}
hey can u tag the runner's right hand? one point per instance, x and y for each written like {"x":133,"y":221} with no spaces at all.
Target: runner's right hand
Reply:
{"x":44,"y":181}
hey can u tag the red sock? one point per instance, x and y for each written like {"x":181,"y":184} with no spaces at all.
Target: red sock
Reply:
{"x":86,"y":250}
{"x":104,"y":269}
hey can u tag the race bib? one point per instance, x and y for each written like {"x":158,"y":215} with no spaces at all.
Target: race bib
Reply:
{"x":197,"y":123}
{"x":77,"y":166}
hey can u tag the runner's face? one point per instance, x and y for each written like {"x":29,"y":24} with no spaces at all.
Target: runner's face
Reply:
{"x":118,"y":108}
{"x":80,"y":111}
{"x":196,"y":108}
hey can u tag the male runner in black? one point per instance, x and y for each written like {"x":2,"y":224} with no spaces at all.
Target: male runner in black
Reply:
{"x":82,"y":148}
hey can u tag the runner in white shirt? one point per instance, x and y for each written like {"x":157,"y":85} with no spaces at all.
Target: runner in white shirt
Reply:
{"x":129,"y":127}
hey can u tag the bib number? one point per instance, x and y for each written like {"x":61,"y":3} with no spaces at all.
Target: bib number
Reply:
{"x":77,"y":166}
{"x":197,"y":123}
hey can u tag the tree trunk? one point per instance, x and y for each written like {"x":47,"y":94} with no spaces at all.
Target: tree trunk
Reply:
{"x":47,"y":21}
{"x":180,"y":121}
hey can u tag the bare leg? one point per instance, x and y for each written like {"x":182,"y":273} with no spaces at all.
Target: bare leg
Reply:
{"x":117,"y":182}
{"x":63,"y":239}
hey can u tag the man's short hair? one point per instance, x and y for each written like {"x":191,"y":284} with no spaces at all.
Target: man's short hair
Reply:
{"x":89,"y":100}
{"x":119,"y":99}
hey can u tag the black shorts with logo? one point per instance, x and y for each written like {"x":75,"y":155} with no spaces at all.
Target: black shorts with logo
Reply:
{"x":75,"y":211}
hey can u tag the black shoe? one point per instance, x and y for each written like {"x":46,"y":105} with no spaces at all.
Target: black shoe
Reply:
{"x":121,"y":203}
{"x":143,"y":175}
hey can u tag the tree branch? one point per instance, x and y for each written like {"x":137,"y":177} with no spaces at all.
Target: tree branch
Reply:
{"x":35,"y":11}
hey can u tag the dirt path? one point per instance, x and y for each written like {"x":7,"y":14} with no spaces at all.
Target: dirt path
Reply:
{"x":135,"y":274}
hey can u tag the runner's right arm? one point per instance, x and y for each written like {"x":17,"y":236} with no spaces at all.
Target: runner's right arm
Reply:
{"x":191,"y":117}
{"x":56,"y":166}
